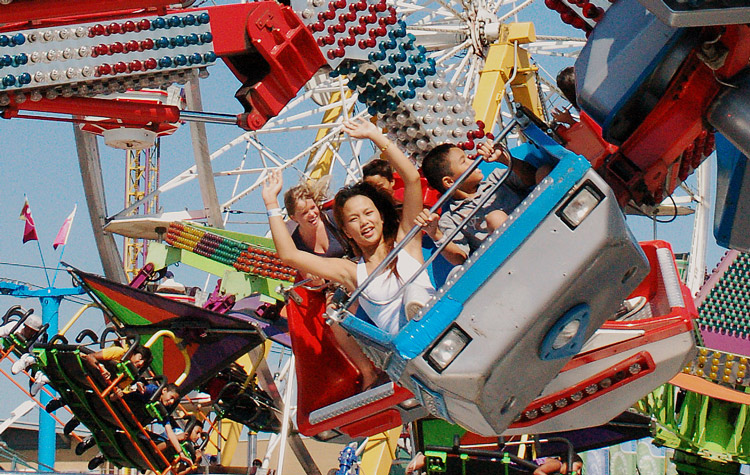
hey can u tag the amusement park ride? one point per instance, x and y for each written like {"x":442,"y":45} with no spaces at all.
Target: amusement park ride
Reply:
{"x":660,"y":84}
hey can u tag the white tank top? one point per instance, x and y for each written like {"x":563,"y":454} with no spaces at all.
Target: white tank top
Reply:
{"x":390,"y":316}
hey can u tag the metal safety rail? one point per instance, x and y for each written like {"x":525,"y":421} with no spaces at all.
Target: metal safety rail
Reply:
{"x":335,"y":312}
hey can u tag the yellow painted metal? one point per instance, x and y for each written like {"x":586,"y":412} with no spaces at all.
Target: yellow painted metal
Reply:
{"x":177,"y":341}
{"x":322,"y":167}
{"x":380,"y":452}
{"x":142,"y":172}
{"x":507,"y":62}
{"x":75,"y":317}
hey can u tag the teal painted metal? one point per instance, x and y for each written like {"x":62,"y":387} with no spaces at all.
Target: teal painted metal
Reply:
{"x":50,"y":299}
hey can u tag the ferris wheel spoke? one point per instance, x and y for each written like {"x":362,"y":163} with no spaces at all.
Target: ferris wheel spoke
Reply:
{"x":444,"y":56}
{"x":511,"y":13}
{"x":470,"y":76}
{"x":350,"y":174}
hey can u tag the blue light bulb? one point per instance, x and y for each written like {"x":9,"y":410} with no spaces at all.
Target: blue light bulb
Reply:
{"x":203,"y":18}
{"x":192,"y":39}
{"x":209,"y":57}
{"x":4,"y":40}
{"x":174,"y":21}
{"x":18,"y":39}
{"x":24,"y":78}
{"x":189,"y":20}
{"x":207,"y":37}
{"x":180,"y":60}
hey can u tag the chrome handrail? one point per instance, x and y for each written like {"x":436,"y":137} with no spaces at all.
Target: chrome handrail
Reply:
{"x":334,"y":312}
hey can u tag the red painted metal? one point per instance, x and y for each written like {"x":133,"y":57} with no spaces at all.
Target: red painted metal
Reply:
{"x":585,"y":138}
{"x":35,"y":10}
{"x":136,"y":113}
{"x":265,"y":45}
{"x":274,"y":56}
{"x":673,"y":140}
{"x":642,"y":358}
{"x":325,"y":375}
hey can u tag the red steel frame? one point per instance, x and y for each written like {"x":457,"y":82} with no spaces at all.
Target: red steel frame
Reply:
{"x":244,"y":35}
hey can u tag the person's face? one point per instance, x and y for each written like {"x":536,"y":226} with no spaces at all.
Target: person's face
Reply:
{"x":306,"y":213}
{"x":362,"y":221}
{"x":168,"y":398}
{"x":195,"y":434}
{"x":459,"y":162}
{"x":577,"y":467}
{"x":381,"y":182}
{"x":137,"y":360}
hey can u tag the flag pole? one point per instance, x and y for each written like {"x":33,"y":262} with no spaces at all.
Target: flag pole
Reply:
{"x":43,"y":264}
{"x":59,"y":260}
{"x":62,"y":239}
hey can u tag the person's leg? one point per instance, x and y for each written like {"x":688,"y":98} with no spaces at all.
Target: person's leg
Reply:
{"x":495,"y":219}
{"x":352,"y":350}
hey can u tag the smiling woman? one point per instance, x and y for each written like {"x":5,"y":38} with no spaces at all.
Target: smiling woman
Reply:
{"x":315,"y":232}
{"x":370,"y":223}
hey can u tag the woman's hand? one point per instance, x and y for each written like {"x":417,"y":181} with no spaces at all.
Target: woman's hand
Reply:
{"x":271,"y":188}
{"x":361,"y":129}
{"x":494,"y":152}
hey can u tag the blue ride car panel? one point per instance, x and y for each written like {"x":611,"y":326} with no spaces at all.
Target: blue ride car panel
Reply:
{"x":732,"y":209}
{"x":534,"y":271}
{"x":617,"y":60}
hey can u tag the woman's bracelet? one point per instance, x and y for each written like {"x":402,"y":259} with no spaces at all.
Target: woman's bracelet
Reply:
{"x":273,"y":212}
{"x":383,"y":149}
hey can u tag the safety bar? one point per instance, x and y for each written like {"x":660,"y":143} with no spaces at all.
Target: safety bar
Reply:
{"x":177,"y":342}
{"x":16,"y":310}
{"x":334,"y":313}
{"x":21,"y":316}
{"x":75,"y":317}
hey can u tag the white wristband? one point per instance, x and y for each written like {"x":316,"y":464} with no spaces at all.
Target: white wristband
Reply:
{"x":273,"y":212}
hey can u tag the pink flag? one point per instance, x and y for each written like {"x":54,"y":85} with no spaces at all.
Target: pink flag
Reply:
{"x":64,"y":232}
{"x":29,"y":229}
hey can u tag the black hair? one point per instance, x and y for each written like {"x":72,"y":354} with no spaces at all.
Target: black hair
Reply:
{"x":257,"y":463}
{"x":566,"y":81}
{"x":378,"y":167}
{"x":435,"y":165}
{"x":145,"y":353}
{"x":172,"y":387}
{"x":383,"y":202}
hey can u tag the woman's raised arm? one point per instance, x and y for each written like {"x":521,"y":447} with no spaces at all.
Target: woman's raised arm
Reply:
{"x":412,"y":205}
{"x":338,"y":270}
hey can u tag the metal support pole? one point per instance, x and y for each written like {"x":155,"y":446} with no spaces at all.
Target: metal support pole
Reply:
{"x":93,"y":185}
{"x":697,"y":263}
{"x":287,"y":414}
{"x":47,"y":438}
{"x":203,"y":158}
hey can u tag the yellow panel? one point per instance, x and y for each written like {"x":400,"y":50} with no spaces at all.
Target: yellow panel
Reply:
{"x":380,"y":452}
{"x":521,"y":32}
{"x":503,"y":57}
{"x":323,"y":166}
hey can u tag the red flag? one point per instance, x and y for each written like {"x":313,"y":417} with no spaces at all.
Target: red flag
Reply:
{"x":29,"y":229}
{"x":64,"y":232}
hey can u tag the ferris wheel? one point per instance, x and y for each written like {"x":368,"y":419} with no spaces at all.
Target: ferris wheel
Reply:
{"x":488,"y":52}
